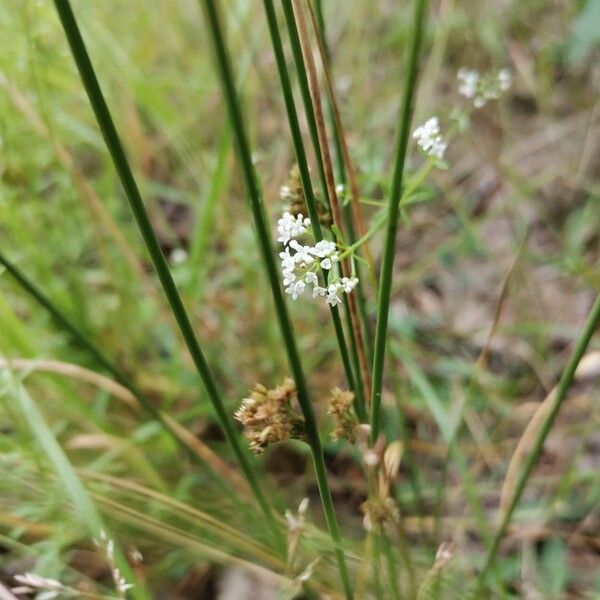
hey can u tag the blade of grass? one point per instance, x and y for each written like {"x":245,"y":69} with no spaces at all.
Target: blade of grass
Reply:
{"x":311,"y":202}
{"x":590,"y":326}
{"x":169,"y":424}
{"x":264,"y":240}
{"x":191,"y":443}
{"x":387,"y":266}
{"x":132,"y":192}
{"x":72,"y":484}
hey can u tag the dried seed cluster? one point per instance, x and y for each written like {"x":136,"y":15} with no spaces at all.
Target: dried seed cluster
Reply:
{"x":345,"y":422}
{"x":269,"y":416}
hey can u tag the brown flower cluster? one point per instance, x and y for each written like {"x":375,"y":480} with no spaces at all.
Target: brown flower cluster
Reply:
{"x":293,"y":195}
{"x":382,"y":464}
{"x":268,"y":416}
{"x":345,"y":422}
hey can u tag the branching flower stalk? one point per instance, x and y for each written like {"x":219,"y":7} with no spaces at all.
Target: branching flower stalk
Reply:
{"x":331,"y":189}
{"x":133,"y":195}
{"x":264,"y":240}
{"x":385,"y":285}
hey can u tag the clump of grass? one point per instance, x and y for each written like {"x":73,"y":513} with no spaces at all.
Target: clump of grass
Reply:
{"x":415,"y":474}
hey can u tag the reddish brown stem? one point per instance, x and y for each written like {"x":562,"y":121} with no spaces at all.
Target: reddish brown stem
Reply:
{"x":330,"y":181}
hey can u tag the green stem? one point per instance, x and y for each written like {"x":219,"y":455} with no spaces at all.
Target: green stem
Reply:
{"x":385,"y":285}
{"x":339,"y":158}
{"x":264,"y":240}
{"x":360,"y":400}
{"x":117,"y":153}
{"x":564,"y":384}
{"x":308,"y":191}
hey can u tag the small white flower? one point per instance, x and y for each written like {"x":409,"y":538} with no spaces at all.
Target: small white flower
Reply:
{"x":504,"y":79}
{"x":332,"y":298}
{"x":288,"y":262}
{"x":295,"y":289}
{"x":311,"y":278}
{"x":303,"y":256}
{"x":326,"y":264}
{"x":348,"y":283}
{"x":178,"y":256}
{"x":339,"y":189}
{"x":429,"y":139}
{"x":290,"y":227}
{"x":482,"y":88}
{"x":288,"y":277}
{"x":468,"y":82}
{"x":323,"y":248}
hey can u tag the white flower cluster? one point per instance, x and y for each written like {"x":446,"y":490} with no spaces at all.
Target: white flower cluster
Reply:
{"x":290,"y":227}
{"x":429,"y":139}
{"x":299,"y":263}
{"x":482,"y":88}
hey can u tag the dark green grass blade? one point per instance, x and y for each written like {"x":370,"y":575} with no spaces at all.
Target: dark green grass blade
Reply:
{"x":121,"y":164}
{"x":591,"y":325}
{"x":266,"y":249}
{"x":387,"y":266}
{"x":307,"y":187}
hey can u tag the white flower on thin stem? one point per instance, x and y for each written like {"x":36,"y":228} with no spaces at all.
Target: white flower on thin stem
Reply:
{"x":295,"y":289}
{"x":324,"y":248}
{"x":303,"y":256}
{"x":482,"y":88}
{"x":311,"y":278}
{"x":288,"y":277}
{"x":332,"y":298}
{"x":288,"y":262}
{"x":468,"y":81}
{"x":348,"y":283}
{"x":300,"y":263}
{"x":429,"y":139}
{"x":290,"y":227}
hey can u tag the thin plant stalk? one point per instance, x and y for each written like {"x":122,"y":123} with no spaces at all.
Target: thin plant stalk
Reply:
{"x":264,"y":240}
{"x":590,"y":326}
{"x":133,"y":195}
{"x":314,"y":136}
{"x":387,"y":266}
{"x":330,"y":181}
{"x":311,"y":202}
{"x":345,"y":165}
{"x":352,"y":211}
